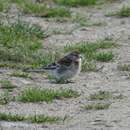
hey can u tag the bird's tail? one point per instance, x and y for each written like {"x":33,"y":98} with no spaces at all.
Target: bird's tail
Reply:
{"x":38,"y":70}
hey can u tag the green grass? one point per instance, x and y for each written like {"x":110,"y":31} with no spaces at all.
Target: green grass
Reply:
{"x":4,"y":5}
{"x":13,"y":65}
{"x":43,"y":11}
{"x":88,"y":66}
{"x":97,"y":106}
{"x":10,"y":117}
{"x":76,"y":2}
{"x":21,"y":74}
{"x":125,"y":67}
{"x":32,"y":119}
{"x":104,"y":95}
{"x":5,"y":98}
{"x":106,"y":44}
{"x":90,"y":52}
{"x":47,"y":95}
{"x":44,"y":119}
{"x":36,"y":60}
{"x":6,"y":84}
{"x":19,"y":41}
{"x":90,"y":48}
{"x":81,"y":20}
{"x":43,"y":59}
{"x":101,"y":95}
{"x":98,"y":100}
{"x":1,"y":128}
{"x":84,"y":21}
{"x":39,"y":9}
{"x":104,"y":56}
{"x":124,"y":11}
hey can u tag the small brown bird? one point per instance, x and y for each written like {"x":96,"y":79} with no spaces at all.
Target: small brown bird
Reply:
{"x":64,"y":69}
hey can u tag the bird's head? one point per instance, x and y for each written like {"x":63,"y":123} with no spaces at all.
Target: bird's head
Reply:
{"x":75,"y":56}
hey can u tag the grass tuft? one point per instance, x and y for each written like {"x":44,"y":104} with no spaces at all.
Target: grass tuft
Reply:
{"x":6,"y":84}
{"x":4,"y":98}
{"x":4,"y":5}
{"x":32,"y":119}
{"x":88,"y":66}
{"x":19,"y":41}
{"x":104,"y":56}
{"x":43,"y":119}
{"x":39,"y":9}
{"x":76,"y":2}
{"x":124,"y":11}
{"x":101,"y":95}
{"x":84,"y":21}
{"x":21,"y":74}
{"x":105,"y":95}
{"x":10,"y":117}
{"x":47,"y":95}
{"x":125,"y":67}
{"x":90,"y":48}
{"x":97,"y":106}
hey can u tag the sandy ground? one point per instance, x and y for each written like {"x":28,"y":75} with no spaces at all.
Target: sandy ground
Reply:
{"x":117,"y":117}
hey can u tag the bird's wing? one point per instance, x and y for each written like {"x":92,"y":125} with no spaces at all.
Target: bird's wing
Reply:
{"x":51,"y":66}
{"x":63,"y":69}
{"x":66,"y":61}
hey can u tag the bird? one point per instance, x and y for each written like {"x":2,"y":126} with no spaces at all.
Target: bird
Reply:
{"x":64,"y":69}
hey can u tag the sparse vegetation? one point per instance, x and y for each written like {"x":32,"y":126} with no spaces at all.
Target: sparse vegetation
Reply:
{"x":13,"y":65}
{"x":104,"y":56}
{"x":84,"y":21}
{"x":6,"y":84}
{"x":125,"y":67}
{"x":4,"y":98}
{"x":90,"y":48}
{"x":4,"y":5}
{"x":76,"y":2}
{"x":1,"y":128}
{"x":98,"y":100}
{"x":48,"y":95}
{"x":21,"y":74}
{"x":10,"y":117}
{"x":44,"y":119}
{"x":97,"y":106}
{"x":124,"y":11}
{"x":32,"y":119}
{"x":81,"y":20}
{"x":19,"y":41}
{"x":40,"y":9}
{"x":104,"y":95}
{"x":101,"y":95}
{"x":88,"y":66}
